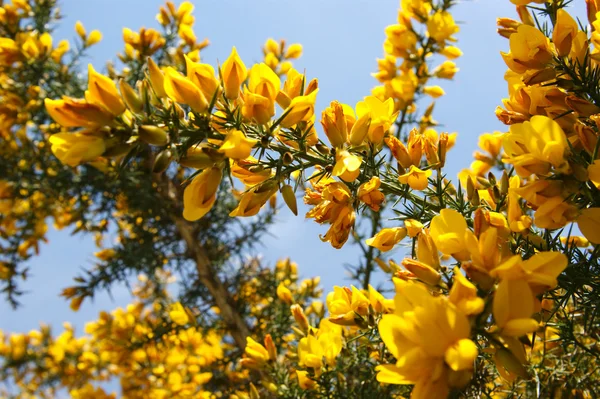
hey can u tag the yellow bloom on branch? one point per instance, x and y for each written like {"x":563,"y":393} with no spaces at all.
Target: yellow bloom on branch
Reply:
{"x":387,"y":238}
{"x":415,"y":178}
{"x":448,"y":231}
{"x":429,"y":337}
{"x":200,"y":195}
{"x":75,"y":148}
{"x":103,"y":92}
{"x":301,"y":109}
{"x":370,"y":195}
{"x":71,"y":112}
{"x":347,"y":166}
{"x":236,"y":145}
{"x":181,"y":90}
{"x":234,"y":73}
{"x":254,"y":199}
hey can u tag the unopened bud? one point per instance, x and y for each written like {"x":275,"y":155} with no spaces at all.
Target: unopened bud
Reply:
{"x":287,"y":192}
{"x":475,"y":201}
{"x":504,"y":183}
{"x":323,"y":149}
{"x":270,"y":347}
{"x":300,"y":317}
{"x":287,"y":159}
{"x":162,"y":161}
{"x":253,"y":392}
{"x":470,"y":187}
{"x":153,"y":135}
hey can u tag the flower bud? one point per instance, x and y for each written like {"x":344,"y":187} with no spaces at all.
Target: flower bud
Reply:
{"x":162,"y":161}
{"x":290,"y":198}
{"x":153,"y":135}
{"x":300,"y":317}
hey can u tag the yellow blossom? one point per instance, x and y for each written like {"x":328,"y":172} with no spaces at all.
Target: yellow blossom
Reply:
{"x":387,"y":238}
{"x":103,"y":92}
{"x":200,"y":195}
{"x":347,"y":166}
{"x":234,"y":74}
{"x":415,"y":178}
{"x":236,"y":145}
{"x":448,"y":232}
{"x":75,"y":148}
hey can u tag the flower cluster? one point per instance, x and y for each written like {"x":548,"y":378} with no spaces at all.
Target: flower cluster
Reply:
{"x":497,"y":281}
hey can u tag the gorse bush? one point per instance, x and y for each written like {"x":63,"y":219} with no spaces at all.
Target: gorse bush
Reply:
{"x":497,"y":295}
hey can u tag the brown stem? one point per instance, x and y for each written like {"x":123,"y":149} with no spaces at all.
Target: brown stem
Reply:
{"x":206,"y":275}
{"x":236,"y":326}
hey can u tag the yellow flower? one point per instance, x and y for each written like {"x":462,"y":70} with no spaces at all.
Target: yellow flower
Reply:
{"x":337,"y":121}
{"x":369,"y":193}
{"x":103,"y":92}
{"x":422,"y":271}
{"x":415,"y":178}
{"x":304,"y":381}
{"x":157,"y":79}
{"x":316,"y":351}
{"x":178,"y":314}
{"x":203,"y":76}
{"x":382,"y":116}
{"x":565,"y":31}
{"x":294,"y":51}
{"x":413,"y":227}
{"x":284,"y":293}
{"x":399,"y":151}
{"x":347,"y":166}
{"x":513,"y":306}
{"x":75,"y":148}
{"x":535,"y":146}
{"x":464,"y":295}
{"x":248,"y":171}
{"x":234,"y":73}
{"x":71,"y":112}
{"x":342,"y":304}
{"x":554,"y":213}
{"x":529,"y":49}
{"x":446,"y":70}
{"x":387,"y":238}
{"x":200,"y":195}
{"x":429,"y":337}
{"x":448,"y":232}
{"x":9,"y":51}
{"x":256,"y":351}
{"x":589,"y":224}
{"x":400,"y":40}
{"x":180,"y":89}
{"x":257,"y":107}
{"x":434,"y":91}
{"x":263,"y":81}
{"x":254,"y":199}
{"x":237,"y":145}
{"x":94,"y":38}
{"x":441,"y":26}
{"x":301,"y":109}
{"x":594,"y":173}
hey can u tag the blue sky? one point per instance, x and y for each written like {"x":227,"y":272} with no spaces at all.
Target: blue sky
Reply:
{"x":341,"y":39}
